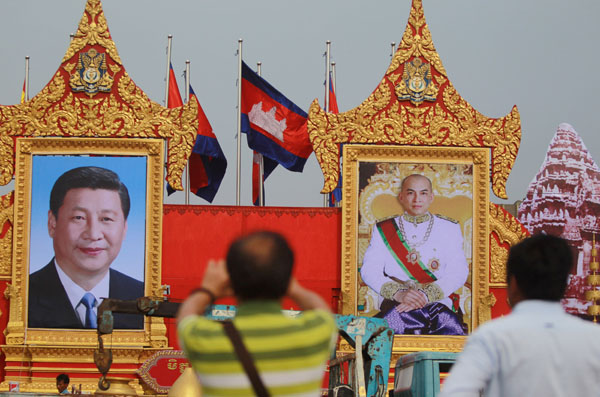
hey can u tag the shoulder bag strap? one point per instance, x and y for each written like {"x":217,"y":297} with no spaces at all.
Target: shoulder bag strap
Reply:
{"x":245,"y":359}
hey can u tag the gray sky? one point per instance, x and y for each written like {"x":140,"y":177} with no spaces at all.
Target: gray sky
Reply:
{"x":541,"y":55}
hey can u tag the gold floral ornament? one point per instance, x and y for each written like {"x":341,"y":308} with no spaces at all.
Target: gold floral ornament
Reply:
{"x":505,"y":231}
{"x":91,"y":95}
{"x":415,"y":104}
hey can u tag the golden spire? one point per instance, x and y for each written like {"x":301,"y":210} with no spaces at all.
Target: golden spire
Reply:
{"x":594,"y":280}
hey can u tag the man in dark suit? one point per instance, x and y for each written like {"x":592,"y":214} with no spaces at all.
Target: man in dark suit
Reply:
{"x":87,"y":222}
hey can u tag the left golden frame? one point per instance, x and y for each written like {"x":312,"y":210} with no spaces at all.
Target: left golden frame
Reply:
{"x":17,"y":332}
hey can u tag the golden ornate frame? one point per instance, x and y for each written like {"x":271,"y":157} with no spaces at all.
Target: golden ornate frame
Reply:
{"x":115,"y":108}
{"x":434,"y":114}
{"x":479,"y":158}
{"x":17,"y":332}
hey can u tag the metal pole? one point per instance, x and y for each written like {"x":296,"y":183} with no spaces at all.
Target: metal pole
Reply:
{"x":26,"y":78}
{"x":393,"y":44}
{"x":239,"y":126}
{"x":327,"y":63}
{"x":169,"y":43}
{"x":187,"y":100}
{"x":261,"y":163}
{"x":187,"y":81}
{"x":327,"y":70}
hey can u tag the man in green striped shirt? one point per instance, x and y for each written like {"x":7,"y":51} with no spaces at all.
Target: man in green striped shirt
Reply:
{"x":289,"y":353}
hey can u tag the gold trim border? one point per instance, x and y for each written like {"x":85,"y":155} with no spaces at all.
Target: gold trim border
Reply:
{"x":154,"y":333}
{"x":507,"y":229}
{"x":384,"y":119}
{"x":480,"y":159}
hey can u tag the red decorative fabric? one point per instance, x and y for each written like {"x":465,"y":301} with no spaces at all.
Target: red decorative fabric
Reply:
{"x":194,"y":234}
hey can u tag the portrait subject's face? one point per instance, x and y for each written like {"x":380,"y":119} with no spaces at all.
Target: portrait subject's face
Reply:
{"x":416,"y":195}
{"x":88,"y":231}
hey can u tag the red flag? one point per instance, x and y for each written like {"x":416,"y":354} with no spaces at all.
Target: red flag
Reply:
{"x":255,"y":177}
{"x":336,"y":196}
{"x":174,"y":100}
{"x":333,"y":106}
{"x":268,"y":167}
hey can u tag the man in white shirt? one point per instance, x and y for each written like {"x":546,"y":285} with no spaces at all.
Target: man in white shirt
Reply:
{"x":538,"y":349}
{"x":87,"y":222}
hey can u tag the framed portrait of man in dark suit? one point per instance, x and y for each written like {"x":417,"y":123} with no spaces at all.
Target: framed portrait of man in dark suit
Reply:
{"x":88,"y":229}
{"x":87,"y":234}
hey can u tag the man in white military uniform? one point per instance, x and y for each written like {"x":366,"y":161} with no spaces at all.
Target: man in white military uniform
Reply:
{"x":415,"y":262}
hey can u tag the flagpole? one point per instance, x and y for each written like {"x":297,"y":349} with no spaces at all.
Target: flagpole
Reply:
{"x":239,"y":126}
{"x":327,"y":70}
{"x":187,"y":100}
{"x":261,"y":163}
{"x":333,"y":78}
{"x":27,"y":78}
{"x":169,"y":43}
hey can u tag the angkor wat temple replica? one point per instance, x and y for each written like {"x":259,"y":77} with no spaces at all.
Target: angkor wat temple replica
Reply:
{"x":564,"y":200}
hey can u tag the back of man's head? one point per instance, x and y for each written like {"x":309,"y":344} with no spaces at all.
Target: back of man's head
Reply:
{"x":92,"y":178}
{"x":260,"y":266}
{"x":540,"y":265}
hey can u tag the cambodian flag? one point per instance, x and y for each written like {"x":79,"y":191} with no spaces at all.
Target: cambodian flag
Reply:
{"x":174,"y":100}
{"x":207,"y":163}
{"x":333,"y":106}
{"x":268,"y":167}
{"x":274,"y":126}
{"x":336,"y":195}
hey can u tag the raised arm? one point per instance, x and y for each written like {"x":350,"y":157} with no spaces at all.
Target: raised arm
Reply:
{"x":305,"y":298}
{"x":215,"y":284}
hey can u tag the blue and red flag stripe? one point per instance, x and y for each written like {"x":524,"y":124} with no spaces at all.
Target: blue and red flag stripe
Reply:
{"x":207,"y":163}
{"x":333,"y":106}
{"x":268,"y":167}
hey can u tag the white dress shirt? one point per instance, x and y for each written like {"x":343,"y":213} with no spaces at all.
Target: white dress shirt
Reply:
{"x":537,"y":350}
{"x":75,"y":292}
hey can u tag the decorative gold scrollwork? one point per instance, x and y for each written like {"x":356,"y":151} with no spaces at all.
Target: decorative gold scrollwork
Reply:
{"x":385,"y":118}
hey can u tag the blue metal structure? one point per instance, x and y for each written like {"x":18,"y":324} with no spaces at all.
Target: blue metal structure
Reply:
{"x":419,"y":374}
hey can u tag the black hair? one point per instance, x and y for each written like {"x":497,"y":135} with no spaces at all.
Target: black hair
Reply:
{"x":88,"y":177}
{"x":541,"y":265}
{"x":64,"y":378}
{"x":260,"y":266}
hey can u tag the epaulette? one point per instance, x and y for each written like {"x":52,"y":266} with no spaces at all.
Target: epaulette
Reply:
{"x":446,"y":218}
{"x":386,"y":218}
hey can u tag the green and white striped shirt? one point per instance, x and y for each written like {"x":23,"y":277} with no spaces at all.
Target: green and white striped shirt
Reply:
{"x":289,"y":353}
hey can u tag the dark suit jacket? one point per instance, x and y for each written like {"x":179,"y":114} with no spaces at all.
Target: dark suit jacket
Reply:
{"x":49,"y":305}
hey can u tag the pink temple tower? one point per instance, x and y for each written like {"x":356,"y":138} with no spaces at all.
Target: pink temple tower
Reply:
{"x":564,"y":200}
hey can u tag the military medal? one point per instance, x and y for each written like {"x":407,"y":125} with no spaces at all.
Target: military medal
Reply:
{"x":413,"y":256}
{"x":434,"y":264}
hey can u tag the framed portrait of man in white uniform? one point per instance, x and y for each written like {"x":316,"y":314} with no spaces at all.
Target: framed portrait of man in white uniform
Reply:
{"x":416,"y":249}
